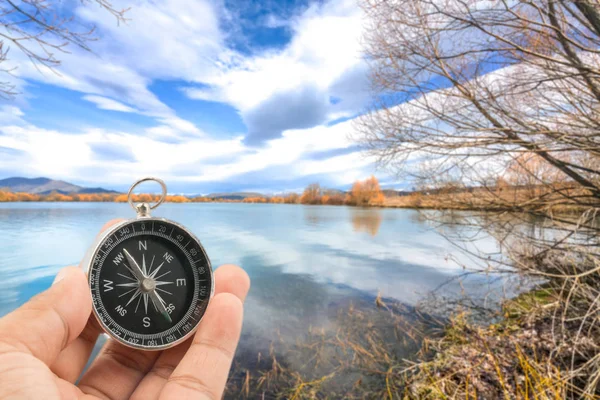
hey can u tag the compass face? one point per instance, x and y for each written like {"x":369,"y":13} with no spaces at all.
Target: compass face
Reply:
{"x":151,"y":282}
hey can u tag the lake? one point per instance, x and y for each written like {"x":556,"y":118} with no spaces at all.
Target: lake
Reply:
{"x":305,"y":262}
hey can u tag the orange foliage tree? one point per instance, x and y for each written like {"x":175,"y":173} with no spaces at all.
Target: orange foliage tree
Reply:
{"x":177,"y":199}
{"x":292,"y":198}
{"x":55,"y":196}
{"x":255,"y":200}
{"x":366,"y":193}
{"x":312,"y":194}
{"x":7,"y":196}
{"x":332,"y":198}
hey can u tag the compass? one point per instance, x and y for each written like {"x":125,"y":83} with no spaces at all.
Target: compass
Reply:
{"x":150,"y":279}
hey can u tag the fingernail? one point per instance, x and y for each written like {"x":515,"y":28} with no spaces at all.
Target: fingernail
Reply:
{"x":60,"y":276}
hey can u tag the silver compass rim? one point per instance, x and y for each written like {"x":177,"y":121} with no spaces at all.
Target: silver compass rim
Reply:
{"x":87,"y":264}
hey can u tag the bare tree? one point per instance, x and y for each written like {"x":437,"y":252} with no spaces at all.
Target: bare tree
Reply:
{"x":40,"y":29}
{"x":483,"y":81}
{"x":481,"y":92}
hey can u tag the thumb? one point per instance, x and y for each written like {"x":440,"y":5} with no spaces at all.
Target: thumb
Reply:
{"x":51,"y":320}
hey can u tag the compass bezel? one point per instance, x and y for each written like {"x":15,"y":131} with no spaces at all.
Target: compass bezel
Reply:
{"x":88,"y":265}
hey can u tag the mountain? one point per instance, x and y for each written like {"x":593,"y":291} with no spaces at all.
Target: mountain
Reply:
{"x":234,"y":195}
{"x":45,"y":186}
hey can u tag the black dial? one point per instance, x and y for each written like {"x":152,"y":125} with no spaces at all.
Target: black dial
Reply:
{"x":151,"y":281}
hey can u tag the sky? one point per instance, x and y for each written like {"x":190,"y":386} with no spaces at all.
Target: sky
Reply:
{"x":210,"y":96}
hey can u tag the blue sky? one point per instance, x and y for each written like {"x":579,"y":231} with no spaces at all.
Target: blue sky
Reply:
{"x":210,"y":96}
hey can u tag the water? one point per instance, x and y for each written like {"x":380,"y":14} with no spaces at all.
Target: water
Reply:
{"x":304,"y":261}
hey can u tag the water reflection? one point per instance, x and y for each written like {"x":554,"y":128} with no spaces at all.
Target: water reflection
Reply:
{"x":306,"y":262}
{"x":367,"y":220}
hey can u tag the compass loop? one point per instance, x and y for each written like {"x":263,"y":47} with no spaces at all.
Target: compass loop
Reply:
{"x":152,"y":206}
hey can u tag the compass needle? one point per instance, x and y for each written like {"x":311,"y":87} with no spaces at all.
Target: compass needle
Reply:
{"x":150,"y":279}
{"x":134,"y":266}
{"x":128,"y":284}
{"x":161,"y":305}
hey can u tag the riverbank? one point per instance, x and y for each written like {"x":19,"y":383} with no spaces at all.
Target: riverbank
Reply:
{"x":385,"y":352}
{"x":514,"y":199}
{"x":546,"y":345}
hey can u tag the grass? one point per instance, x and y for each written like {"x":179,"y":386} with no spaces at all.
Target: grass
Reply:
{"x":367,"y":356}
{"x":388,"y":351}
{"x":549,"y":199}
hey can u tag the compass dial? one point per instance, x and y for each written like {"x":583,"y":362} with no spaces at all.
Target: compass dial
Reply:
{"x":151,"y":282}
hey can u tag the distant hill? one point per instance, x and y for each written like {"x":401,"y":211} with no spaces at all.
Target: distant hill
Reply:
{"x":334,"y":191}
{"x":234,"y":195}
{"x":46,"y":186}
{"x":394,"y":193}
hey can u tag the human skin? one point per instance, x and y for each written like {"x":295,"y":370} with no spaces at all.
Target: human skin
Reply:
{"x":46,"y":343}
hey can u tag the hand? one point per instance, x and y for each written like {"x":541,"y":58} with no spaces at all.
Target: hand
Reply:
{"x":46,"y":343}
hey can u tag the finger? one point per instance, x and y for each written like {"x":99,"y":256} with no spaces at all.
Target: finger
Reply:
{"x":232,"y":279}
{"x":228,"y":279}
{"x":117,"y":371}
{"x":71,"y":361}
{"x":46,"y":324}
{"x":203,"y":371}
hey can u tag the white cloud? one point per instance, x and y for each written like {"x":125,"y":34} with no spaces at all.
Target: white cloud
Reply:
{"x":178,"y":40}
{"x":11,"y":115}
{"x":169,"y":39}
{"x":159,"y":151}
{"x":325,"y":47}
{"x":105,"y":103}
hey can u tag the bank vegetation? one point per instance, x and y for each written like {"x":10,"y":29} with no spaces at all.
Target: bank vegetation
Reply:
{"x":363,"y":193}
{"x":495,"y":106}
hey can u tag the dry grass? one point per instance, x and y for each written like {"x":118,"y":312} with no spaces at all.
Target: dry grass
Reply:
{"x":549,"y":199}
{"x":388,"y":351}
{"x":522,"y":357}
{"x":368,"y":356}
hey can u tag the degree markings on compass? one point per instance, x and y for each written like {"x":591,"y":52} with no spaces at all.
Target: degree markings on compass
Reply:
{"x":187,"y":244}
{"x":172,"y":230}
